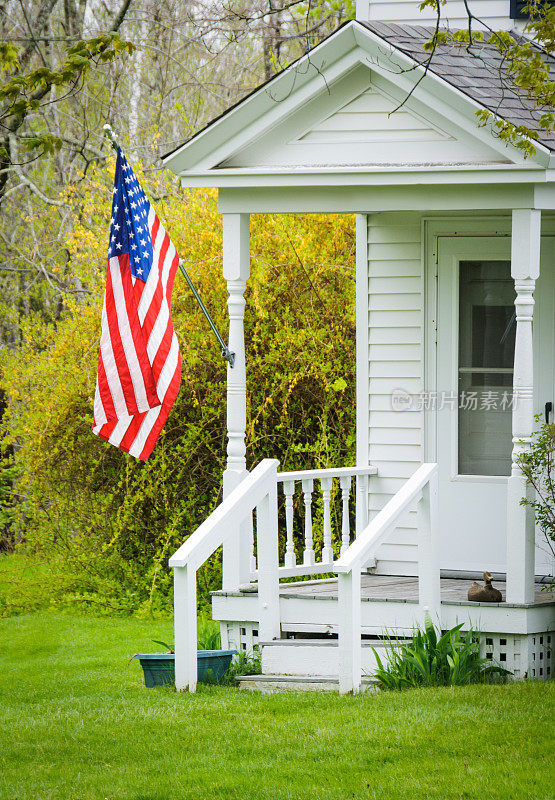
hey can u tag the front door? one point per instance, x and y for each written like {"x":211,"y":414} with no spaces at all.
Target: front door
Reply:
{"x":475,"y":352}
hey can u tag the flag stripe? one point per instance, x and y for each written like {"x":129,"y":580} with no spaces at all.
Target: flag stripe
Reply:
{"x":132,"y":357}
{"x":103,"y":391}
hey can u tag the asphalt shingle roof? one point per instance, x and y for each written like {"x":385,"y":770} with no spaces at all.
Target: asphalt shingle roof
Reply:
{"x":477,"y":72}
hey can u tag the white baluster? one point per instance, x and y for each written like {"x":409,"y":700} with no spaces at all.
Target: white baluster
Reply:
{"x":349,"y":613}
{"x":308,"y":556}
{"x":185,"y":624}
{"x":345,"y":484}
{"x":362,"y":503}
{"x":268,"y":574}
{"x":429,"y":587}
{"x":327,"y":552}
{"x":289,"y":491}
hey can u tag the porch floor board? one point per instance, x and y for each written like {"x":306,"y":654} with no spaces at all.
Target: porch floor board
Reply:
{"x":401,"y":589}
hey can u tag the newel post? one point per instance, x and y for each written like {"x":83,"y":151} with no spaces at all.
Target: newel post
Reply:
{"x":185,"y":627}
{"x":268,"y":561}
{"x":350,"y":640}
{"x":429,"y":580}
{"x":236,"y":270}
{"x":525,"y":269}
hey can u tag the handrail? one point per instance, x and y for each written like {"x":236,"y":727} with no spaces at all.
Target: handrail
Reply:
{"x":256,"y":490}
{"x":326,"y":473}
{"x":208,"y":537}
{"x":383,"y":523}
{"x":422,"y":485}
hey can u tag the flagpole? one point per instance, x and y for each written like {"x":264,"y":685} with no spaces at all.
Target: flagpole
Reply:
{"x":226,"y":352}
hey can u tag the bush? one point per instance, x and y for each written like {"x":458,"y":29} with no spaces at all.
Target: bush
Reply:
{"x":104,"y":523}
{"x":538,"y":465}
{"x":433,"y":659}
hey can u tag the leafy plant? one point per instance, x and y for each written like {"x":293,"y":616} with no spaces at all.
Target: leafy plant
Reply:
{"x":8,"y":474}
{"x":538,"y":465}
{"x":208,"y":633}
{"x":246,"y":662}
{"x":433,"y":659}
{"x":167,"y":647}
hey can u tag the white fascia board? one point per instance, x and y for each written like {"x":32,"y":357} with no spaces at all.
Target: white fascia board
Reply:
{"x":346,"y":199}
{"x":288,"y":85}
{"x":363,"y":176}
{"x":433,"y":88}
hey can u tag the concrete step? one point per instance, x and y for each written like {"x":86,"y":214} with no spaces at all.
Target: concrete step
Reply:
{"x":307,"y":657}
{"x":297,"y":683}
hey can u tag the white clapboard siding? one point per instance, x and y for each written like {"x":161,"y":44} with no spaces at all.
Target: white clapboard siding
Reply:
{"x":493,"y":13}
{"x":391,"y":352}
{"x":395,"y":298}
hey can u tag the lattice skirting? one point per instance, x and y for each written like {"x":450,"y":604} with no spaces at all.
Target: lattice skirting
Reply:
{"x":239,"y":635}
{"x":525,"y":655}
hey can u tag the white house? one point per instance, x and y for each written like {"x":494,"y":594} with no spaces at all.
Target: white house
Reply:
{"x":455,"y":352}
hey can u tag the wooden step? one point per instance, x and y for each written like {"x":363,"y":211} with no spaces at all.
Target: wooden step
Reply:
{"x":297,"y":683}
{"x":306,"y":657}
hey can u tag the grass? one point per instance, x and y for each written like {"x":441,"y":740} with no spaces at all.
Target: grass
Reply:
{"x":77,"y":724}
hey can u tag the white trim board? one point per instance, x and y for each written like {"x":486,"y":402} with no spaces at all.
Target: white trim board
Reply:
{"x":343,"y":199}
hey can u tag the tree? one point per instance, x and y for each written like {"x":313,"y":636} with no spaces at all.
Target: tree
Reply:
{"x":523,"y":58}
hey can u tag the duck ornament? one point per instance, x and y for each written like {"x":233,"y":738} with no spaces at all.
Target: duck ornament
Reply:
{"x":486,"y":593}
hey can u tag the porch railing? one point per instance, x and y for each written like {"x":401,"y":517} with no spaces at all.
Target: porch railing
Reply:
{"x":257,"y":495}
{"x":306,"y":493}
{"x":257,"y":492}
{"x":422,"y":487}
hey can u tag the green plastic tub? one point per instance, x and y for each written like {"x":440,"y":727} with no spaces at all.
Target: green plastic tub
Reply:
{"x":159,"y":668}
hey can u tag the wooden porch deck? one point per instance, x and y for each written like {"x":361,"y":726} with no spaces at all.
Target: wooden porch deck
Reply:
{"x":401,"y":589}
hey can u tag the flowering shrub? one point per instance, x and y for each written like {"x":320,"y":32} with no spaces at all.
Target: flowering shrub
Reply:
{"x":105,"y":523}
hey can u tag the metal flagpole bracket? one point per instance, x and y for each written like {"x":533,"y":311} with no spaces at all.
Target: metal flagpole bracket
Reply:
{"x":226,"y":352}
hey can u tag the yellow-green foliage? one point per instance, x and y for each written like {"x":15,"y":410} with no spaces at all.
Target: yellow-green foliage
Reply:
{"x":108,"y":522}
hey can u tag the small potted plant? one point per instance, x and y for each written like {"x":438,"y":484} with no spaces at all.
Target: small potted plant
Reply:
{"x":213,"y":662}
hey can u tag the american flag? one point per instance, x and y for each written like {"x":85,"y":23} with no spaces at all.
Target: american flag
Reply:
{"x":139,"y":364}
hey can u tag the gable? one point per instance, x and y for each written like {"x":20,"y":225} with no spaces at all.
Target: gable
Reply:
{"x":362,"y":119}
{"x":353,"y":102}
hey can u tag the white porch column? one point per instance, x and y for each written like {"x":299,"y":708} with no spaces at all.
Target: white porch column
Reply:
{"x":236,"y":269}
{"x":362,"y":377}
{"x":525,"y":269}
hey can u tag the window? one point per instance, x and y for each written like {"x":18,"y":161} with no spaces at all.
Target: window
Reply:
{"x":518,"y":6}
{"x":487,"y":326}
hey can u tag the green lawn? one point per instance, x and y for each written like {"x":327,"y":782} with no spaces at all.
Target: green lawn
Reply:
{"x":77,"y":724}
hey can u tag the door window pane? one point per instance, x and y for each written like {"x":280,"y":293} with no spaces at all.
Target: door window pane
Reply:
{"x":487,"y":327}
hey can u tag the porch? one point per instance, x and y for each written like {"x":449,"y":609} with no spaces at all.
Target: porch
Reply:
{"x":518,"y":636}
{"x":342,"y":617}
